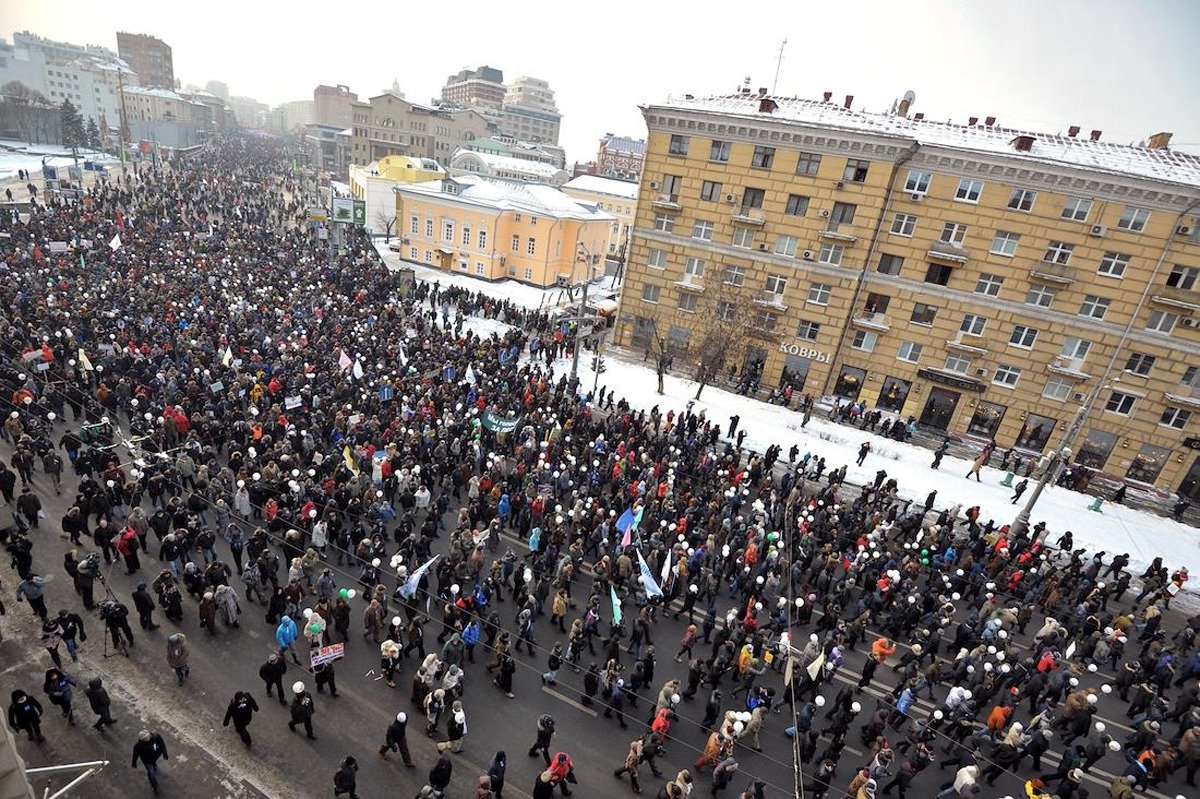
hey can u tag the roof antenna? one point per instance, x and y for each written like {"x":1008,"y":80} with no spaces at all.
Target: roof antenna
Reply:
{"x":778,"y":64}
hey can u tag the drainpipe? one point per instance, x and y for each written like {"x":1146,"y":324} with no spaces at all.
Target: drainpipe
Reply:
{"x":904,"y":158}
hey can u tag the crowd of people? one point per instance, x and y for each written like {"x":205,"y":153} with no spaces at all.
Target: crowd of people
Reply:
{"x":250,"y":417}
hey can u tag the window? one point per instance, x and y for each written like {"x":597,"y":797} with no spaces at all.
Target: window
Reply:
{"x":1133,"y":219}
{"x":710,"y":191}
{"x":413,"y":225}
{"x":890,"y":264}
{"x":1058,"y":389}
{"x":972,"y":325}
{"x":1075,"y":348}
{"x":429,"y":228}
{"x":923,"y":314}
{"x":743,"y":237}
{"x":428,"y":256}
{"x":808,"y":164}
{"x":1094,"y":307}
{"x":687,"y":302}
{"x":988,"y":284}
{"x":762,"y":157}
{"x":693,"y":268}
{"x":797,"y":205}
{"x":719,"y":151}
{"x":677,"y":340}
{"x":765,"y":320}
{"x":657,"y":259}
{"x":1183,"y":277}
{"x":1191,"y":377}
{"x":968,"y":190}
{"x":466,"y":236}
{"x":1120,"y":402}
{"x":752,"y":199}
{"x":1076,"y":209}
{"x":1162,"y":321}
{"x":664,"y":223}
{"x":831,"y":254}
{"x":1006,"y":376}
{"x":877,"y":303}
{"x":856,"y":170}
{"x":702,"y":229}
{"x":1148,"y":463}
{"x":529,"y":273}
{"x":478,"y":268}
{"x":954,"y":233}
{"x":650,"y":292}
{"x":1096,"y":448}
{"x":726,"y":310}
{"x":957,"y":363}
{"x":1175,"y":417}
{"x":1040,"y":295}
{"x":904,"y":224}
{"x":1113,"y":264}
{"x":938,"y":274}
{"x":412,"y":253}
{"x":819,"y":293}
{"x":678,"y":146}
{"x":483,"y":239}
{"x":734,"y":275}
{"x":1023,"y":336}
{"x":531,"y":246}
{"x":842,"y":214}
{"x":808,"y":330}
{"x":775,"y":284}
{"x":1139,"y":363}
{"x":917,"y":182}
{"x":516,"y":243}
{"x":1022,"y":199}
{"x":1004,"y":243}
{"x":909,"y":351}
{"x":1058,"y":252}
{"x":786,"y":245}
{"x":864,"y":340}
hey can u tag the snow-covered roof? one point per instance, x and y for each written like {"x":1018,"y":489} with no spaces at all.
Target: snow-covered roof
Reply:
{"x":1049,"y":148}
{"x":599,"y":185}
{"x":507,"y":163}
{"x":509,"y":195}
{"x":164,"y":93}
{"x":624,"y":144}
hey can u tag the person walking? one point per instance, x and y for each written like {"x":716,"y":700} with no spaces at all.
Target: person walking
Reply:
{"x":632,"y":758}
{"x":60,"y":690}
{"x":545,"y":732}
{"x":345,"y":779}
{"x":32,"y":590}
{"x":25,"y":715}
{"x":496,"y":771}
{"x":396,"y":739}
{"x":302,"y":710}
{"x":178,"y":653}
{"x":456,"y":730}
{"x":100,"y":703}
{"x":285,"y":636}
{"x":143,"y":603}
{"x":1019,"y":489}
{"x":148,"y":750}
{"x":241,"y":711}
{"x":272,"y":673}
{"x":439,"y":775}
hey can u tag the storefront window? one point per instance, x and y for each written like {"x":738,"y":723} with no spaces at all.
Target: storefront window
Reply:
{"x":1095,"y":449}
{"x":1148,"y":463}
{"x":894,"y":394}
{"x":849,"y":382}
{"x":1035,"y":432}
{"x":795,"y":372}
{"x":643,"y":332}
{"x":986,"y":419}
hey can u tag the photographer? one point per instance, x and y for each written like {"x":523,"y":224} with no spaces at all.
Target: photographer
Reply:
{"x":116,"y":619}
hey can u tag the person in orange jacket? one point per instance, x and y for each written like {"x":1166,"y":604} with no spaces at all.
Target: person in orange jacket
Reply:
{"x":882,"y":649}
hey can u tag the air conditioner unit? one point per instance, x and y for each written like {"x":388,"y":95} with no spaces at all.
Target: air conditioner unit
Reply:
{"x":916,"y":196}
{"x":1098,"y":230}
{"x":1184,"y":230}
{"x":1080,"y":396}
{"x":841,"y":184}
{"x":824,"y":212}
{"x":808,"y":255}
{"x":981,"y":372}
{"x":654,"y":184}
{"x":762,"y":247}
{"x":1189,"y":321}
{"x":731,"y":198}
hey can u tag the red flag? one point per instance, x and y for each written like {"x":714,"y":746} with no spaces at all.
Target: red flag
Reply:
{"x":120,"y":221}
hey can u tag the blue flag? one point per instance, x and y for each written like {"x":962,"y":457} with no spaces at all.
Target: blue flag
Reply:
{"x":626,"y":520}
{"x":410,"y":585}
{"x":386,"y":393}
{"x":648,"y":581}
{"x":616,"y":603}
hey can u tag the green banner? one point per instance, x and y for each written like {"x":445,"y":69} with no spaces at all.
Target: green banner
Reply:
{"x":500,"y":424}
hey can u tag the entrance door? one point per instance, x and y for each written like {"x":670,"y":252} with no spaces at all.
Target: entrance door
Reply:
{"x":939,"y":408}
{"x":1190,"y":487}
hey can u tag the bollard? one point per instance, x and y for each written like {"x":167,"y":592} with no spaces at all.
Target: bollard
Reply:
{"x":1096,"y":503}
{"x":1007,"y":481}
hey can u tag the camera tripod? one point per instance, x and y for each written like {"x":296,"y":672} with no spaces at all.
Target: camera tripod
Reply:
{"x":120,"y":644}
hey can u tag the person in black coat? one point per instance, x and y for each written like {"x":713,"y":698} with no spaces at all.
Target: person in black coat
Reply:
{"x":143,"y":603}
{"x":148,"y":750}
{"x":25,"y":715}
{"x":439,"y":775}
{"x":302,"y":711}
{"x":272,"y":674}
{"x":396,"y":739}
{"x":101,"y":705}
{"x":241,"y":711}
{"x":345,"y":780}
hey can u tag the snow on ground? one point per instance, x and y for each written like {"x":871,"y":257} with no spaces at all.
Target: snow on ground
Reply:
{"x":1117,"y":529}
{"x":10,"y":162}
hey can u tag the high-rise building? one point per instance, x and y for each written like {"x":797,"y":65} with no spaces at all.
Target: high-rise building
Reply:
{"x":148,"y":56}
{"x":1034,"y":289}
{"x":331,"y":105}
{"x":249,"y":113}
{"x":219,"y":88}
{"x":478,"y":88}
{"x":529,"y":113}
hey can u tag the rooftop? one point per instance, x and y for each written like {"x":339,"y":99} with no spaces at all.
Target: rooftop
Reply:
{"x":624,"y":144}
{"x":508,"y":195}
{"x":1163,"y":165}
{"x":508,"y":163}
{"x":599,"y":185}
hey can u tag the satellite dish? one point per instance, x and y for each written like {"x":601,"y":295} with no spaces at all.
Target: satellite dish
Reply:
{"x":910,"y":97}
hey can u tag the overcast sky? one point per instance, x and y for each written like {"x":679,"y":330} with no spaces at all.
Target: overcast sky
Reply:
{"x":1128,"y":69}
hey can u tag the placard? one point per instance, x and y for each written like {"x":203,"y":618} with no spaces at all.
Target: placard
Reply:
{"x":328,"y":654}
{"x":293,"y":402}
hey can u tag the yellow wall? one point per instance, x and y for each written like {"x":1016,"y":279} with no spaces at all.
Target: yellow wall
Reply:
{"x":623,"y":209}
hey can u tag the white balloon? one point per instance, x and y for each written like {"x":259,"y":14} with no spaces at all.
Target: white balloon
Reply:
{"x":855,"y":707}
{"x":738,"y":727}
{"x":350,"y":594}
{"x":1093,"y":668}
{"x":375,"y":562}
{"x":308,"y":612}
{"x":675,"y":699}
{"x":1114,"y":746}
{"x":1100,"y":726}
{"x":397,"y":621}
{"x":1106,"y":688}
{"x":297,"y":687}
{"x":939,"y":715}
{"x":820,"y":701}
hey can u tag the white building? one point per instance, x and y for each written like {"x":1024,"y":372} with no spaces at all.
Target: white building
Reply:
{"x":470,"y":162}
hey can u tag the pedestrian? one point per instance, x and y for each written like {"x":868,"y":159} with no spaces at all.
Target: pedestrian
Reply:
{"x":285,"y":636}
{"x":241,"y":711}
{"x":1019,"y":489}
{"x":632,"y":758}
{"x":496,"y":772}
{"x":143,"y":603}
{"x":862,"y":452}
{"x":345,"y":779}
{"x":440,"y":774}
{"x":177,"y":656}
{"x":148,"y":750}
{"x":100,"y":703}
{"x":25,"y":715}
{"x":51,"y":637}
{"x":272,"y":673}
{"x":324,"y":675}
{"x":396,"y":739}
{"x":456,"y":730}
{"x":722,"y":775}
{"x":32,"y":589}
{"x":60,"y":690}
{"x":553,"y":663}
{"x":302,"y":710}
{"x":545,"y":732}
{"x":71,"y":625}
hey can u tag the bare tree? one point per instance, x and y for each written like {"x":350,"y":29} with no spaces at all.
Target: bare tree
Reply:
{"x":728,"y":318}
{"x":31,"y":108}
{"x":387,"y":221}
{"x":662,"y":355}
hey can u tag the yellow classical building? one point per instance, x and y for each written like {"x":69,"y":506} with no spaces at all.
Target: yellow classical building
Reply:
{"x":1035,"y":289}
{"x":498,"y":229}
{"x":617,"y":197}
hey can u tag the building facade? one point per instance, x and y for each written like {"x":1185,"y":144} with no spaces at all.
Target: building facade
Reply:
{"x":376,"y":184}
{"x":389,"y":124}
{"x":472,"y":162}
{"x":331,"y":105}
{"x":616,"y":197}
{"x":148,"y":56}
{"x":166,"y":118}
{"x":1038,"y":290}
{"x":529,"y":112}
{"x":496,"y":230}
{"x":620,"y":157}
{"x":328,"y":149}
{"x":289,"y":117}
{"x":481,"y":88}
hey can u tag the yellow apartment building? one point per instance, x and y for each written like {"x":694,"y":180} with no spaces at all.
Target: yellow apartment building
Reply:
{"x":498,"y":229}
{"x":1036,"y":289}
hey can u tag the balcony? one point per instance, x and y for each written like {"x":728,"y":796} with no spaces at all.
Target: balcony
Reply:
{"x":839,"y":232}
{"x":770,"y":300}
{"x":750,"y":216}
{"x":1070,"y":367}
{"x":1053,"y":273}
{"x":667,"y":202}
{"x":871,"y":321}
{"x":1172,"y":297}
{"x":691,"y":283}
{"x":957,"y":343}
{"x":947,"y":252}
{"x":1184,"y":395}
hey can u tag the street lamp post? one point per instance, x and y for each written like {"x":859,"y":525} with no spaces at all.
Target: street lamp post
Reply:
{"x":581,"y":253}
{"x":1058,"y":457}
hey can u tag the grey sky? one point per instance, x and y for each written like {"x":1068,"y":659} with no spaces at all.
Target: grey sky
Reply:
{"x":1126,"y":68}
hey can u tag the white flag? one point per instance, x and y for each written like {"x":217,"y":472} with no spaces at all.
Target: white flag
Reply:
{"x":358,"y":370}
{"x":470,"y":375}
{"x":410,"y":585}
{"x":344,"y":361}
{"x":648,"y":583}
{"x":403,"y":357}
{"x":227,"y":358}
{"x":115,"y":244}
{"x":84,"y":363}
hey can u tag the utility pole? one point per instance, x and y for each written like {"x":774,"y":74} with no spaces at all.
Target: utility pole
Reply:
{"x":1058,"y":457}
{"x":578,"y":337}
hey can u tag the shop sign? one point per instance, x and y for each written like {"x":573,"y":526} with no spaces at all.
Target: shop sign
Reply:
{"x":965,"y":383}
{"x":803,"y":352}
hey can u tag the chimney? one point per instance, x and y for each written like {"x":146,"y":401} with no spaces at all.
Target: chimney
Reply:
{"x":762,"y":91}
{"x":902,"y":109}
{"x":828,"y":96}
{"x":919,"y":116}
{"x":1096,"y":135}
{"x":766,"y":105}
{"x":972,"y":121}
{"x":1023,"y":144}
{"x":849,"y":101}
{"x":1159,"y":141}
{"x":990,"y":122}
{"x":745,"y":90}
{"x":688,"y":97}
{"x":1073,"y":131}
